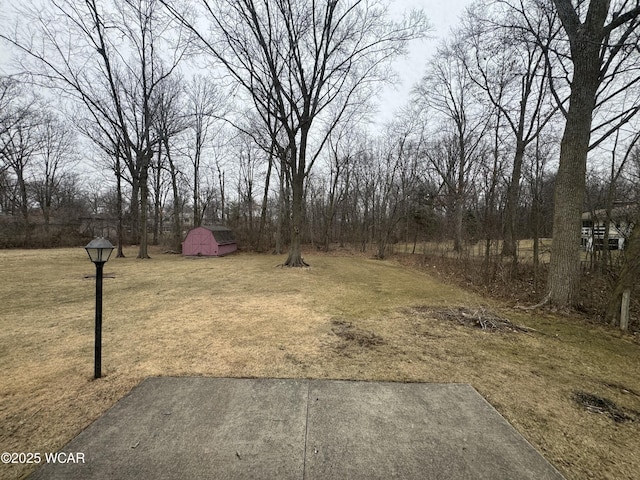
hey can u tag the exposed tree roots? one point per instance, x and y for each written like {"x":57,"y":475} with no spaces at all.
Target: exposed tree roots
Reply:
{"x":544,"y":301}
{"x":295,"y":261}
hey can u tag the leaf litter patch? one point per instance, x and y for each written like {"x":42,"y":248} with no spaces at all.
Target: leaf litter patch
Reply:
{"x":595,"y":404}
{"x":481,"y":318}
{"x":351,"y":335}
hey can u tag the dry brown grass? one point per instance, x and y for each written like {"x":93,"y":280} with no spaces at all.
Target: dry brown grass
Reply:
{"x":343,"y":318}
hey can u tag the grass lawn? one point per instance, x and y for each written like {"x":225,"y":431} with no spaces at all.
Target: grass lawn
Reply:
{"x":343,"y":318}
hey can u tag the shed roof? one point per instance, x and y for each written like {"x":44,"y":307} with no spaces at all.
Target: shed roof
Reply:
{"x":222,"y":234}
{"x":627,"y":211}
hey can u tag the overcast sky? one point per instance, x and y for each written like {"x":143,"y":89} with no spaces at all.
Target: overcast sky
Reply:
{"x":4,"y":8}
{"x":443,"y":15}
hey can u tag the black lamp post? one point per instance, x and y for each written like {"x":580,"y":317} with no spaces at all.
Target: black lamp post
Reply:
{"x":99,"y":250}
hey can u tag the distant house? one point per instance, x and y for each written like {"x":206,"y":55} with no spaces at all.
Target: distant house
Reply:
{"x":594,"y":225}
{"x":209,"y":242}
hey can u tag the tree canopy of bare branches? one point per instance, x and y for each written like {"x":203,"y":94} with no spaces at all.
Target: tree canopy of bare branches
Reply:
{"x":294,"y":59}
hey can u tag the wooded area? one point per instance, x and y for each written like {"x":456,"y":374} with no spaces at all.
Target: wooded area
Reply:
{"x":138,"y":119}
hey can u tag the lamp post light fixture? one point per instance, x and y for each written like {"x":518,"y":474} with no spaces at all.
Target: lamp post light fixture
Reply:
{"x":99,"y":250}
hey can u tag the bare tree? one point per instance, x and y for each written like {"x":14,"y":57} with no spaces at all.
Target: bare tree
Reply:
{"x":249,"y":159}
{"x":399,"y":173}
{"x":112,"y":58}
{"x":170,"y":124}
{"x":491,"y":171}
{"x":56,"y":158}
{"x":343,"y":144}
{"x":106,"y":138}
{"x":603,"y":39}
{"x":20,"y":143}
{"x":15,"y":108}
{"x":159,"y":191}
{"x":509,"y":65}
{"x":449,"y":90}
{"x":294,"y":59}
{"x":363,"y":197}
{"x":266,"y":135}
{"x":203,"y":107}
{"x":537,"y":181}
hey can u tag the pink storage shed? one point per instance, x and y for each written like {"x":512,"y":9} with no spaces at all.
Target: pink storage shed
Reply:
{"x":209,"y":242}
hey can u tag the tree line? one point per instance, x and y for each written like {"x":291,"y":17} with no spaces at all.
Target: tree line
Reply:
{"x":257,"y":114}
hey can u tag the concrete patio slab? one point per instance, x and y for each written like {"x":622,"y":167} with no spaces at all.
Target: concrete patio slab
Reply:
{"x":223,"y":428}
{"x":360,"y":430}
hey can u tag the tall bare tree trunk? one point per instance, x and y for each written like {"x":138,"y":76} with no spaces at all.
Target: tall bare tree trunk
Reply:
{"x":563,"y":283}
{"x":457,"y":225}
{"x":120,"y":227}
{"x":134,"y":209}
{"x":24,"y":207}
{"x":628,"y":276}
{"x":460,"y":191}
{"x":157,"y":198}
{"x":222,"y":197}
{"x":295,"y":249}
{"x":143,"y":251}
{"x":330,"y":211}
{"x":265,"y":200}
{"x":511,"y":206}
{"x":297,"y":205}
{"x":177,"y":219}
{"x":197,"y":215}
{"x":283,"y":211}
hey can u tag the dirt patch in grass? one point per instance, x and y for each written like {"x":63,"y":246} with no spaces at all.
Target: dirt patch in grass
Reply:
{"x":350,"y":336}
{"x":480,"y":317}
{"x":346,"y":317}
{"x":596,"y":404}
